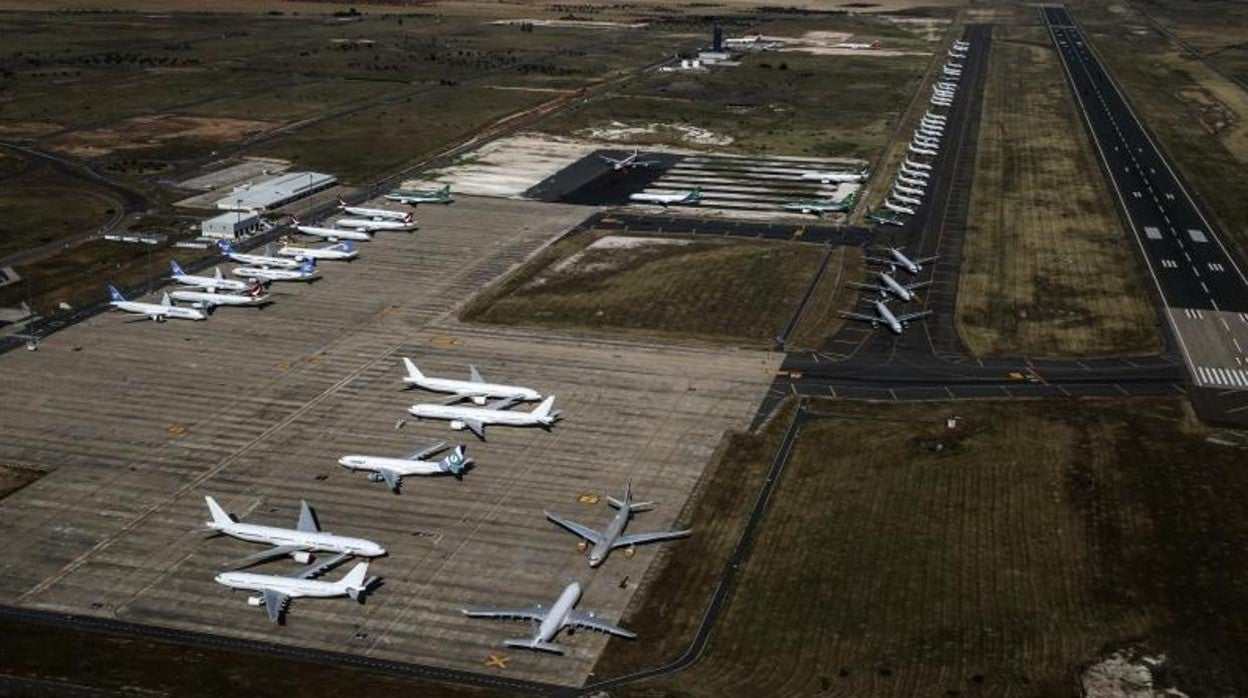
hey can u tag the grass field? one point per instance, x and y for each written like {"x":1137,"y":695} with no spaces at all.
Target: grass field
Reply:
{"x":820,"y":319}
{"x":42,"y":205}
{"x":1180,"y":99}
{"x":900,"y":557}
{"x":1048,"y":269}
{"x":734,"y":292}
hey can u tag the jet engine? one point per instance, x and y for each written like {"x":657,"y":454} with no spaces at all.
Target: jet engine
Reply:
{"x":478,"y":399}
{"x":302,"y":557}
{"x":457,"y":424}
{"x":255,"y":600}
{"x":375,"y":477}
{"x":159,"y":318}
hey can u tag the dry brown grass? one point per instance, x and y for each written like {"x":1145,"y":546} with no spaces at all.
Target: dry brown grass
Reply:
{"x":820,"y":319}
{"x":1048,"y":269}
{"x":143,"y":132}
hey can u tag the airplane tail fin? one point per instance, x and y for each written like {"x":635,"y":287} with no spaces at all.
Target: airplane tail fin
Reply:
{"x":308,"y":266}
{"x":115,"y":294}
{"x":355,"y":583}
{"x":445,"y":191}
{"x":456,"y":461}
{"x":216,"y":273}
{"x":413,"y":373}
{"x":219,"y":516}
{"x":532,"y":643}
{"x":546,"y":409}
{"x":175,"y":268}
{"x":165,"y":300}
{"x":226,"y":247}
{"x":342,"y":203}
{"x":347,"y":246}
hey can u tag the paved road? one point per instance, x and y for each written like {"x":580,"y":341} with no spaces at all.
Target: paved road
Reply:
{"x":1198,"y":278}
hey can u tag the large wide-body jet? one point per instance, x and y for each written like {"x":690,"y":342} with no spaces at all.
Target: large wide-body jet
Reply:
{"x":686,"y":198}
{"x":159,"y":312}
{"x":477,"y":419}
{"x":549,"y":620}
{"x":276,"y":591}
{"x":373,"y":225}
{"x":838,"y":176}
{"x":258,"y":260}
{"x":884,"y":218}
{"x":392,"y":470}
{"x":306,"y":272}
{"x":897,"y":258}
{"x":300,"y":542}
{"x":475,"y":388}
{"x":332,"y":234}
{"x":889,"y":286}
{"x":898,"y":208}
{"x":819,"y":207}
{"x":375,"y":213}
{"x":422,"y":196}
{"x":627,"y":162}
{"x":254,"y":297}
{"x":217,"y":281}
{"x":340,"y":251}
{"x":885,"y":316}
{"x":613,"y":536}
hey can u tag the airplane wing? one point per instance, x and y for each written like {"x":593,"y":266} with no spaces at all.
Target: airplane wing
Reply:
{"x":924,"y":260}
{"x":321,"y":568}
{"x":275,"y":603}
{"x":872,"y":287}
{"x":264,"y":556}
{"x":610,"y":160}
{"x":859,"y":316}
{"x":417,"y":455}
{"x":913,"y":316}
{"x":474,"y":375}
{"x":655,"y":536}
{"x":502,"y":404}
{"x":879,"y":260}
{"x":393,"y":479}
{"x":585,"y":532}
{"x":589,"y":621}
{"x":477,"y":427}
{"x":533,"y":613}
{"x":921,"y":284}
{"x":307,"y":519}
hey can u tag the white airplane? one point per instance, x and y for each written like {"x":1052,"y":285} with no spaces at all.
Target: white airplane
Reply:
{"x":905,"y":199}
{"x":209,"y":300}
{"x":306,"y":272}
{"x":628,"y":162}
{"x":896,"y":323}
{"x":550,"y":620}
{"x":216,"y":281}
{"x":944,"y":94}
{"x":874,"y":45}
{"x":917,"y":165}
{"x":338,"y":251}
{"x":475,"y":388}
{"x":937,"y":126}
{"x":277,"y":590}
{"x":372,"y":225}
{"x":372,"y":212}
{"x":917,"y":174}
{"x":911,"y":181}
{"x":910,"y":191}
{"x":935,"y":117}
{"x":930,"y":132}
{"x":951,"y":64}
{"x":256,"y":259}
{"x":613,"y":535}
{"x":942,"y":103}
{"x":413,"y":197}
{"x":925,"y":141}
{"x":898,"y":208}
{"x":889,"y":285}
{"x":691,"y":197}
{"x":834,"y":176}
{"x":921,"y":151}
{"x":299,"y":542}
{"x":392,"y":470}
{"x":477,"y":418}
{"x":332,"y":234}
{"x":924,"y":148}
{"x":896,"y":258}
{"x":159,"y":312}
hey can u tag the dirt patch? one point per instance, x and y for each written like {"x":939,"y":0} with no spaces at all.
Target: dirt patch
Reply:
{"x":621,"y":132}
{"x":143,"y":132}
{"x":26,"y":129}
{"x":1126,"y":674}
{"x":1212,"y":113}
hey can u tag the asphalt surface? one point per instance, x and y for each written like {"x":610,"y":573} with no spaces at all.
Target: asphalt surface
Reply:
{"x":675,"y":224}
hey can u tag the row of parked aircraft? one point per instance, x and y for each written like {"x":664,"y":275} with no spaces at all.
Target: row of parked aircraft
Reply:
{"x":886,"y":285}
{"x":307,"y":539}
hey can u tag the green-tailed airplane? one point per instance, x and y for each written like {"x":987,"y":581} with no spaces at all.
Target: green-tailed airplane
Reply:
{"x":422,"y":196}
{"x":820,"y":206}
{"x":884,"y":218}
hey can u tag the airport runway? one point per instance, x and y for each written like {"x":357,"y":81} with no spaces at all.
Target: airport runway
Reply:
{"x":1198,"y":278}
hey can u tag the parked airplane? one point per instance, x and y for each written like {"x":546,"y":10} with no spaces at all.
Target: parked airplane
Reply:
{"x":920,"y":175}
{"x":373,"y":225}
{"x":916,"y":165}
{"x":905,"y":199}
{"x":858,"y":47}
{"x":908,"y":187}
{"x":332,"y":234}
{"x":209,"y":300}
{"x":216,"y":281}
{"x":924,"y":142}
{"x":932,"y":127}
{"x":896,"y":258}
{"x":256,"y":259}
{"x":628,"y":162}
{"x":299,"y":542}
{"x":550,"y":620}
{"x":942,"y":102}
{"x":477,"y":418}
{"x":836,"y":176}
{"x":896,"y":323}
{"x":939,"y":118}
{"x":898,"y":208}
{"x":337,"y":251}
{"x":909,"y":191}
{"x":372,"y":212}
{"x":392,"y":470}
{"x":919,"y":180}
{"x":422,"y":196}
{"x":820,"y":206}
{"x":918,"y":150}
{"x":888,"y":285}
{"x":883,"y":218}
{"x":306,"y":272}
{"x":613,"y":535}
{"x":932,"y":133}
{"x":475,"y":388}
{"x":159,"y":312}
{"x":277,"y":590}
{"x":691,"y":197}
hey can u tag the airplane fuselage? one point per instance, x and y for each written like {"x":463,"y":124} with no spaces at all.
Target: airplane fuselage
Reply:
{"x":317,"y":253}
{"x":159,"y":312}
{"x":288,"y":586}
{"x":828,"y":177}
{"x":887,"y":317}
{"x":903,"y":261}
{"x":895,"y":288}
{"x":401,"y":466}
{"x":209,"y":282}
{"x":365,"y":226}
{"x":263,"y":260}
{"x":611,"y":534}
{"x":334,"y":233}
{"x":319,"y":541}
{"x":458,"y":413}
{"x":557,"y":617}
{"x":478,"y":392}
{"x":376,"y":213}
{"x":205,"y":299}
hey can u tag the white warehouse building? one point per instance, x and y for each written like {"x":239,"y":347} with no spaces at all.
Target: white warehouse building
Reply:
{"x":276,"y":192}
{"x":230,"y":226}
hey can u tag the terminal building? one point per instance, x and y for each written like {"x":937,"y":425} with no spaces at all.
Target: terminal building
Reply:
{"x":276,"y":192}
{"x":230,"y":226}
